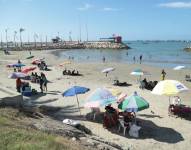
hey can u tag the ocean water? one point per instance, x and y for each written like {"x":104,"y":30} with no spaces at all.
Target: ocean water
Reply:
{"x":163,"y":54}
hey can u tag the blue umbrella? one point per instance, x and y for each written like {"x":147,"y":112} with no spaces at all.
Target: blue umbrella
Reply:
{"x":74,"y":91}
{"x":18,"y":65}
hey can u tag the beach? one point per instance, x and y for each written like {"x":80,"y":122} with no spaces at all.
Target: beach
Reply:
{"x":158,"y":130}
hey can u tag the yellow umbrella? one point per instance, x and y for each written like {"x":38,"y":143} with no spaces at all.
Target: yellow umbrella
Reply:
{"x":65,"y":63}
{"x":169,"y":88}
{"x":114,"y":91}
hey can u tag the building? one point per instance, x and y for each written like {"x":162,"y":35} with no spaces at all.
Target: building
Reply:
{"x":114,"y":39}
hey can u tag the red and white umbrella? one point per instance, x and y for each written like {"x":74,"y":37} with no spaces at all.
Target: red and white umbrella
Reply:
{"x":28,"y":69}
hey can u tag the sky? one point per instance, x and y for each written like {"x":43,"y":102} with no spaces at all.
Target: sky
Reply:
{"x":132,"y":19}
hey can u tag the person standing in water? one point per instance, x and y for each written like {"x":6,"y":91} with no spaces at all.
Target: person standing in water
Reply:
{"x":141,"y":57}
{"x":134,"y":59}
{"x":163,"y":74}
{"x":103,"y":59}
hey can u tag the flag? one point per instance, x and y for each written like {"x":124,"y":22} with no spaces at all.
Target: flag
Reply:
{"x":21,"y":30}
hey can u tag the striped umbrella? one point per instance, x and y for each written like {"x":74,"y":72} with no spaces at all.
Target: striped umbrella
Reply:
{"x":133,"y":103}
{"x":100,"y":97}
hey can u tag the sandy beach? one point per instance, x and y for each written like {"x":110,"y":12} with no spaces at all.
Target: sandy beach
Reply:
{"x":158,"y":130}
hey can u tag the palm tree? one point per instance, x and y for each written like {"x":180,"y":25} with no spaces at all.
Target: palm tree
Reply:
{"x":21,"y":30}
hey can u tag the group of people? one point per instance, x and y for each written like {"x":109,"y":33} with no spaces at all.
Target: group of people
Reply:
{"x":140,"y":59}
{"x":68,"y":72}
{"x":148,"y":85}
{"x":42,"y":80}
{"x":112,"y":115}
{"x":42,"y":66}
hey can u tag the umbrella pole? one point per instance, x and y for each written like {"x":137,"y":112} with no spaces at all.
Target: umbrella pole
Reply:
{"x":169,"y":100}
{"x":78,"y":104}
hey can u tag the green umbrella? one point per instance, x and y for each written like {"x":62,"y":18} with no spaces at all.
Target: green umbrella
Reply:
{"x":133,"y":103}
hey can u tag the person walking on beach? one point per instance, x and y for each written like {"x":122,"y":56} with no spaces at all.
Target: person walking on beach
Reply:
{"x":134,"y":59}
{"x":163,"y":74}
{"x":141,"y":56}
{"x":103,"y":59}
{"x":44,"y":82}
{"x":41,"y":84}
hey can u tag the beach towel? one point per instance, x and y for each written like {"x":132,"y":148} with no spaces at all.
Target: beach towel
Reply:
{"x":71,"y":122}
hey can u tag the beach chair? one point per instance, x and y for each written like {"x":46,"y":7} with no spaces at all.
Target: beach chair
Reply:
{"x":187,"y":78}
{"x":142,"y":85}
{"x":95,"y":111}
{"x":124,"y":125}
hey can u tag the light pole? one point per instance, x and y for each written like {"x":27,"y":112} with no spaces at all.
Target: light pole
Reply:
{"x":15,"y":34}
{"x":6,"y":37}
{"x":21,"y":30}
{"x":35,"y":36}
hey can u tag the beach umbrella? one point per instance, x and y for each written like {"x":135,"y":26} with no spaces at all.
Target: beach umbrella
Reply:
{"x":139,"y":72}
{"x":65,"y":63}
{"x":100,"y":97}
{"x":133,"y":103}
{"x":169,"y":88}
{"x":107,"y":70}
{"x":18,"y":65}
{"x":121,"y":97}
{"x":9,"y":65}
{"x":74,"y":91}
{"x":28,"y":69}
{"x":15,"y":75}
{"x":114,"y":91}
{"x":178,"y":67}
{"x":37,"y":61}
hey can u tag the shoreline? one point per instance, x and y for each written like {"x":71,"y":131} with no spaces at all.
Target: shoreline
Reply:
{"x":153,"y":63}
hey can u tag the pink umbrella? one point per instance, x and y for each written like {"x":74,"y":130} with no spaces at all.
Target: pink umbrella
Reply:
{"x":37,"y":61}
{"x":27,"y":70}
{"x":121,"y":97}
{"x":10,"y":65}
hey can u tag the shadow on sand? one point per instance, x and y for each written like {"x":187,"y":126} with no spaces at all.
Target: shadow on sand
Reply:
{"x":149,"y":130}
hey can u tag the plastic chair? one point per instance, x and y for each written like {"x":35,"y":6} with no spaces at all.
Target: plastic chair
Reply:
{"x":95,"y":112}
{"x":187,"y":78}
{"x":124,"y":125}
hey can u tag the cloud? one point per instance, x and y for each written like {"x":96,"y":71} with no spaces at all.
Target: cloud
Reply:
{"x":85,"y":7}
{"x":176,"y":5}
{"x":110,"y":9}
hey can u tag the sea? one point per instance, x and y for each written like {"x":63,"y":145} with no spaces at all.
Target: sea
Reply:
{"x":167,"y":54}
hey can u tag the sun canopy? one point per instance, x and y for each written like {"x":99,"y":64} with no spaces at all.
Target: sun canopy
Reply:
{"x":169,"y":87}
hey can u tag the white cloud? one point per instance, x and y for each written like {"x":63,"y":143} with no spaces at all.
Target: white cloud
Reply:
{"x":110,"y":9}
{"x":176,"y":5}
{"x":85,"y":7}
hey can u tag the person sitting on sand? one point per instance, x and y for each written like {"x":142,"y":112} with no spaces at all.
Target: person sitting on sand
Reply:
{"x":64,"y":71}
{"x":69,"y":72}
{"x":176,"y":100}
{"x":73,"y":72}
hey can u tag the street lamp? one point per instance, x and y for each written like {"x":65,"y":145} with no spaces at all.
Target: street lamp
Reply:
{"x":21,"y":30}
{"x":15,"y":34}
{"x":6,"y":37}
